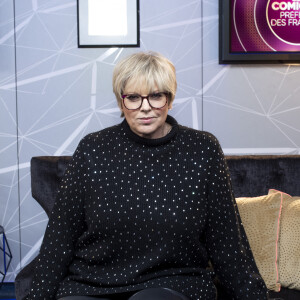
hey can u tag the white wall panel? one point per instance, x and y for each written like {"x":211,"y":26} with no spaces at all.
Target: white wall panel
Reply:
{"x":250,"y":108}
{"x":65,"y":92}
{"x":9,"y":200}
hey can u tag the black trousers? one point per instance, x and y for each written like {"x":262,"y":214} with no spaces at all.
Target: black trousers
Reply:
{"x":147,"y":294}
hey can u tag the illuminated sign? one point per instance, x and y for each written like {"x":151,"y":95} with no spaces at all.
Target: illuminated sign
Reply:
{"x":265,"y":26}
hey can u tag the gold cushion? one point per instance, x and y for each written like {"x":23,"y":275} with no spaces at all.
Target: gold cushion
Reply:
{"x":261,"y":219}
{"x":289,"y":242}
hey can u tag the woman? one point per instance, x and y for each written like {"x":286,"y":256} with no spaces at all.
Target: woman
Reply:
{"x":145,"y":205}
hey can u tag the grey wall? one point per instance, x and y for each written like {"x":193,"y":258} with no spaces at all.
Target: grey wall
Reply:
{"x":63,"y":93}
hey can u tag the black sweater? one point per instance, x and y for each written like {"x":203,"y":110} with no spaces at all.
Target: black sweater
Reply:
{"x":133,"y":213}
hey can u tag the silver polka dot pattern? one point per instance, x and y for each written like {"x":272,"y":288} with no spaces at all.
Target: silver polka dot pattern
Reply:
{"x":135,"y":213}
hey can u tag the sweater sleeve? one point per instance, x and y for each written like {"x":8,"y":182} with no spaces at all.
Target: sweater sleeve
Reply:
{"x":65,"y":226}
{"x":226,"y":240}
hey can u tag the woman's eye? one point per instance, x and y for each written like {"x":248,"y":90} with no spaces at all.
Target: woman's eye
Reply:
{"x":156,"y":96}
{"x":133,"y":97}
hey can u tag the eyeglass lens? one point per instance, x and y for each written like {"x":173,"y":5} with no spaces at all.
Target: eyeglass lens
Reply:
{"x":155,"y":100}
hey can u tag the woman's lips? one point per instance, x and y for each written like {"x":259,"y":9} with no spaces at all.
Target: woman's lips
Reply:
{"x":146,"y":120}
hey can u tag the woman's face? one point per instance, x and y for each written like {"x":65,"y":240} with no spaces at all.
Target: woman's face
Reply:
{"x":145,"y":121}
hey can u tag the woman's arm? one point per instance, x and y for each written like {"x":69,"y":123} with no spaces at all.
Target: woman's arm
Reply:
{"x":226,"y":240}
{"x":65,"y":226}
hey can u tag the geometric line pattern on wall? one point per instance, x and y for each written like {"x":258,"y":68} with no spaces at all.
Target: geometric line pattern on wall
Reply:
{"x":65,"y":92}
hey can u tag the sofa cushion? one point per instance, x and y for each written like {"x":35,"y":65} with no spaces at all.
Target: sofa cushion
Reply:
{"x":261,"y":219}
{"x":46,"y":173}
{"x":289,"y":242}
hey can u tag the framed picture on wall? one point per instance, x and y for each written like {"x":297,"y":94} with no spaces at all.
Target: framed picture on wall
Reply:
{"x":259,"y":31}
{"x":108,"y":23}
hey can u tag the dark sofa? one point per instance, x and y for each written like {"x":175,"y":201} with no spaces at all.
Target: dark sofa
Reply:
{"x":251,"y":176}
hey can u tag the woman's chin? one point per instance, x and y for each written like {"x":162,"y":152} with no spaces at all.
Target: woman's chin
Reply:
{"x":149,"y":132}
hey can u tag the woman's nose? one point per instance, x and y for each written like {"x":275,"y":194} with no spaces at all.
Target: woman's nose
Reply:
{"x":145,"y":104}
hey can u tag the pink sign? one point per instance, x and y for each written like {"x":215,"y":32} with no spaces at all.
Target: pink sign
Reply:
{"x":265,"y":25}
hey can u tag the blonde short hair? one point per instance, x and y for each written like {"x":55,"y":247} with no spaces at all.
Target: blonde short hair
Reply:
{"x":150,"y":67}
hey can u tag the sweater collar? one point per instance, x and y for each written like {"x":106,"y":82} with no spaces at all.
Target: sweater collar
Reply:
{"x":152,"y":142}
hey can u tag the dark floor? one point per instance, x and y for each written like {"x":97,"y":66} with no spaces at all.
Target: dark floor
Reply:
{"x":7,"y":291}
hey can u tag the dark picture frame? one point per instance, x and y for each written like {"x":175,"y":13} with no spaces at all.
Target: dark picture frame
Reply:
{"x":228,"y":57}
{"x":132,"y":39}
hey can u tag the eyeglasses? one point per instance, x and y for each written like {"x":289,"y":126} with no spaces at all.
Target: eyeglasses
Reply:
{"x":135,"y":101}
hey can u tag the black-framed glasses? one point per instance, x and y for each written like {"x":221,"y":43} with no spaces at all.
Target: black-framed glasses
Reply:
{"x":156,"y":100}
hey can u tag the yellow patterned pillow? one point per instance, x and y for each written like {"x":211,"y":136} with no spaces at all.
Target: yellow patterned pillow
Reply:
{"x":289,"y":242}
{"x":261,"y":220}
